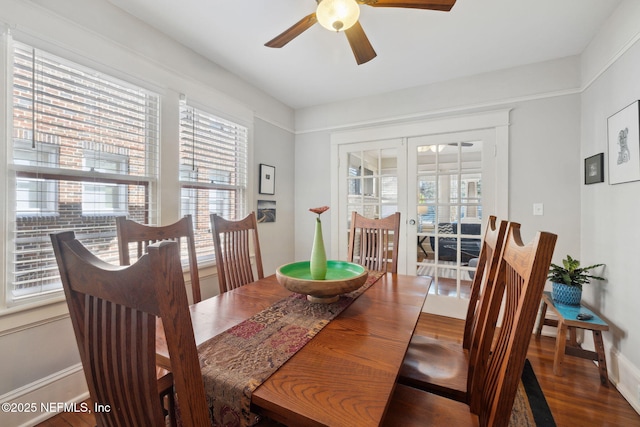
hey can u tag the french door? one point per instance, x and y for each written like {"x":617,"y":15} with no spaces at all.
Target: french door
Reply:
{"x":450,"y":177}
{"x":371,"y":174}
{"x":444,"y":184}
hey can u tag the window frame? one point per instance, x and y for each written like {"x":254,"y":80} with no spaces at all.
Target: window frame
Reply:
{"x":162,"y":209}
{"x":101,"y":198}
{"x":206,"y":183}
{"x":16,"y":170}
{"x":47,"y":191}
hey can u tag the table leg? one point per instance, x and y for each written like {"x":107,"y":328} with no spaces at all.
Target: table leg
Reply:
{"x":573,"y":341}
{"x":543,"y":315}
{"x":561,"y":342}
{"x":602,"y":362}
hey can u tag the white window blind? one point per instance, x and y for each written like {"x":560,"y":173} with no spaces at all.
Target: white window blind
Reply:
{"x":213,"y":171}
{"x":85,"y":150}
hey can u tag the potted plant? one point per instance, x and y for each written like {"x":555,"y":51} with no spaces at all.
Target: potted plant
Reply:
{"x":568,"y":279}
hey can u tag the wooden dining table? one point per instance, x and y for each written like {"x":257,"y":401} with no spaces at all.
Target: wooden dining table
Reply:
{"x":346,"y":374}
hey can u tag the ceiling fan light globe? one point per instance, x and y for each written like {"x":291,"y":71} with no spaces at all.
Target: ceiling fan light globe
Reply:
{"x":337,"y":15}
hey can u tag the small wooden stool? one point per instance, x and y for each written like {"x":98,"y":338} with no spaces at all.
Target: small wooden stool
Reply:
{"x":567,"y":321}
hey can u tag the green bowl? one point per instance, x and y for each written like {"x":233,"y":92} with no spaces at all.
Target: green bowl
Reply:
{"x":342,"y":277}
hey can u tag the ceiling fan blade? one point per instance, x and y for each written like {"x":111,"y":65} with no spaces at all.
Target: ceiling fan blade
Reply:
{"x":443,"y":5}
{"x":294,"y":31}
{"x":360,"y":45}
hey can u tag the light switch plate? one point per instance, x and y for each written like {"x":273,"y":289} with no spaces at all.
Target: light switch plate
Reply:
{"x":538,"y":209}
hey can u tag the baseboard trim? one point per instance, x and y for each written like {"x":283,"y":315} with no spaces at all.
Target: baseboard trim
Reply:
{"x":625,"y":376}
{"x":42,"y":397}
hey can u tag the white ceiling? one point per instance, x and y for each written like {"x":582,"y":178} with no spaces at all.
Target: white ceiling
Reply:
{"x":414,"y":47}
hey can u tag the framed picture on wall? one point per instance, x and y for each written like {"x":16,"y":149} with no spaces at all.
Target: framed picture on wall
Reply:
{"x":593,"y":167}
{"x":623,"y":132}
{"x":266,"y":211}
{"x":267,"y":179}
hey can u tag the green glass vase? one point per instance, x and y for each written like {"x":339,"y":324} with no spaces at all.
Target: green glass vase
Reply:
{"x":318,"y":261}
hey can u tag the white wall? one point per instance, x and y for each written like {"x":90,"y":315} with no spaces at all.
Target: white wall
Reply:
{"x":312,"y":189}
{"x":544,"y":168}
{"x":275,"y":147}
{"x":38,"y":356}
{"x":479,"y":92}
{"x":609,"y":222}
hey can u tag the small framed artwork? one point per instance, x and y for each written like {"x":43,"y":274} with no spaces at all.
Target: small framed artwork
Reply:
{"x":593,"y":167}
{"x":267,"y":179}
{"x":623,"y":132}
{"x":266,"y":211}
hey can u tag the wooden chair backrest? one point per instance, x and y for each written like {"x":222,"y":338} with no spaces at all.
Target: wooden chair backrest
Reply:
{"x":232,"y":242}
{"x":114,"y":310}
{"x":373,"y":243}
{"x":519,"y":283}
{"x":483,"y":278}
{"x":144,"y":235}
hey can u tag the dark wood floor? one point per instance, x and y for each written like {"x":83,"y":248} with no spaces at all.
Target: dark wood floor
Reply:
{"x":575,"y":399}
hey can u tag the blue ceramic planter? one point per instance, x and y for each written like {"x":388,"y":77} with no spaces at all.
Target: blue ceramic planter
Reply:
{"x":565,"y":294}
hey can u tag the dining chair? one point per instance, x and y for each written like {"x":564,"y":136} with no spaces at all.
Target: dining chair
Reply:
{"x":519,"y":284}
{"x":444,"y":366}
{"x":143,"y":235}
{"x":232,"y":243}
{"x":373,"y":243}
{"x":114,"y":311}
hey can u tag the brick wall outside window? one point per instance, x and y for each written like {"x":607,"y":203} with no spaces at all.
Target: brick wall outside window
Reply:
{"x":75,"y":112}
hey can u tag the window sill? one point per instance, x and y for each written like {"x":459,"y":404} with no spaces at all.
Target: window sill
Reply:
{"x":25,"y":316}
{"x":29,"y":315}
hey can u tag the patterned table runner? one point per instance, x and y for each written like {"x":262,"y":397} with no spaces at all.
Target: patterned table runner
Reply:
{"x":238,"y":360}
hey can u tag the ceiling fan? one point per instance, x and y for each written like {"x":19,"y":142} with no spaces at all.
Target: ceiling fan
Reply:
{"x":342,"y":15}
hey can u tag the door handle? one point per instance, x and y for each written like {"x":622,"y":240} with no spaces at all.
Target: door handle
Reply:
{"x":412,"y":222}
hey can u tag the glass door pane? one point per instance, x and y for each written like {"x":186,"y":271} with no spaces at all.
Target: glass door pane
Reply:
{"x":447,"y":172}
{"x":369,"y":184}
